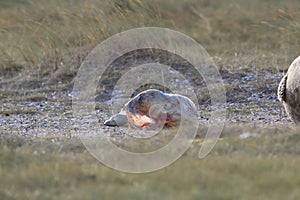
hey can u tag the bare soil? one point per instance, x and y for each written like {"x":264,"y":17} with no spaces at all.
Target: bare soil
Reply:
{"x":38,"y":103}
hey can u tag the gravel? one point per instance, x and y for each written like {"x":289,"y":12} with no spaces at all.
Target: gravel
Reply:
{"x":251,"y":98}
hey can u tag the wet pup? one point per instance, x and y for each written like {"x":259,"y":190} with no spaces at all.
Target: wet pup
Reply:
{"x":153,"y":109}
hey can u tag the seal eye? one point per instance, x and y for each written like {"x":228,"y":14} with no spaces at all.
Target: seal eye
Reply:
{"x":140,"y":99}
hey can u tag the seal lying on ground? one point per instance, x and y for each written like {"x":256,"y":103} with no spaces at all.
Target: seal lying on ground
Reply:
{"x":153,"y":109}
{"x":289,"y":91}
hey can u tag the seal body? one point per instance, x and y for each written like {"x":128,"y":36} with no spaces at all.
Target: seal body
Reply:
{"x":153,"y":109}
{"x":289,"y":91}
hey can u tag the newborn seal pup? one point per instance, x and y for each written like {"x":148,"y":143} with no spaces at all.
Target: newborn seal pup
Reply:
{"x":289,"y":91}
{"x":153,"y":109}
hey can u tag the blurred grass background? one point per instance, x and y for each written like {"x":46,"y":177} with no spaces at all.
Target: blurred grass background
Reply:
{"x":40,"y":33}
{"x":265,"y":167}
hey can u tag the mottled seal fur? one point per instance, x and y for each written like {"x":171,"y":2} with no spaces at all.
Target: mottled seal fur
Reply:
{"x":289,"y":91}
{"x":153,"y":108}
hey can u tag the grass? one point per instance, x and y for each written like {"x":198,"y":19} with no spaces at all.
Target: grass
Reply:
{"x":43,"y":43}
{"x":265,"y":167}
{"x":51,"y":34}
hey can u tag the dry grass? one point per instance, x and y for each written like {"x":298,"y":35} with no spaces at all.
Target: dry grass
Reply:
{"x":265,"y":167}
{"x":51,"y":34}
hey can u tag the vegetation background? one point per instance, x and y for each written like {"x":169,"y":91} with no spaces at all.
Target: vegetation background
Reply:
{"x":42,"y":45}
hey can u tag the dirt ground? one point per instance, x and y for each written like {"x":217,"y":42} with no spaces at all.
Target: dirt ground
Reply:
{"x":38,"y":106}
